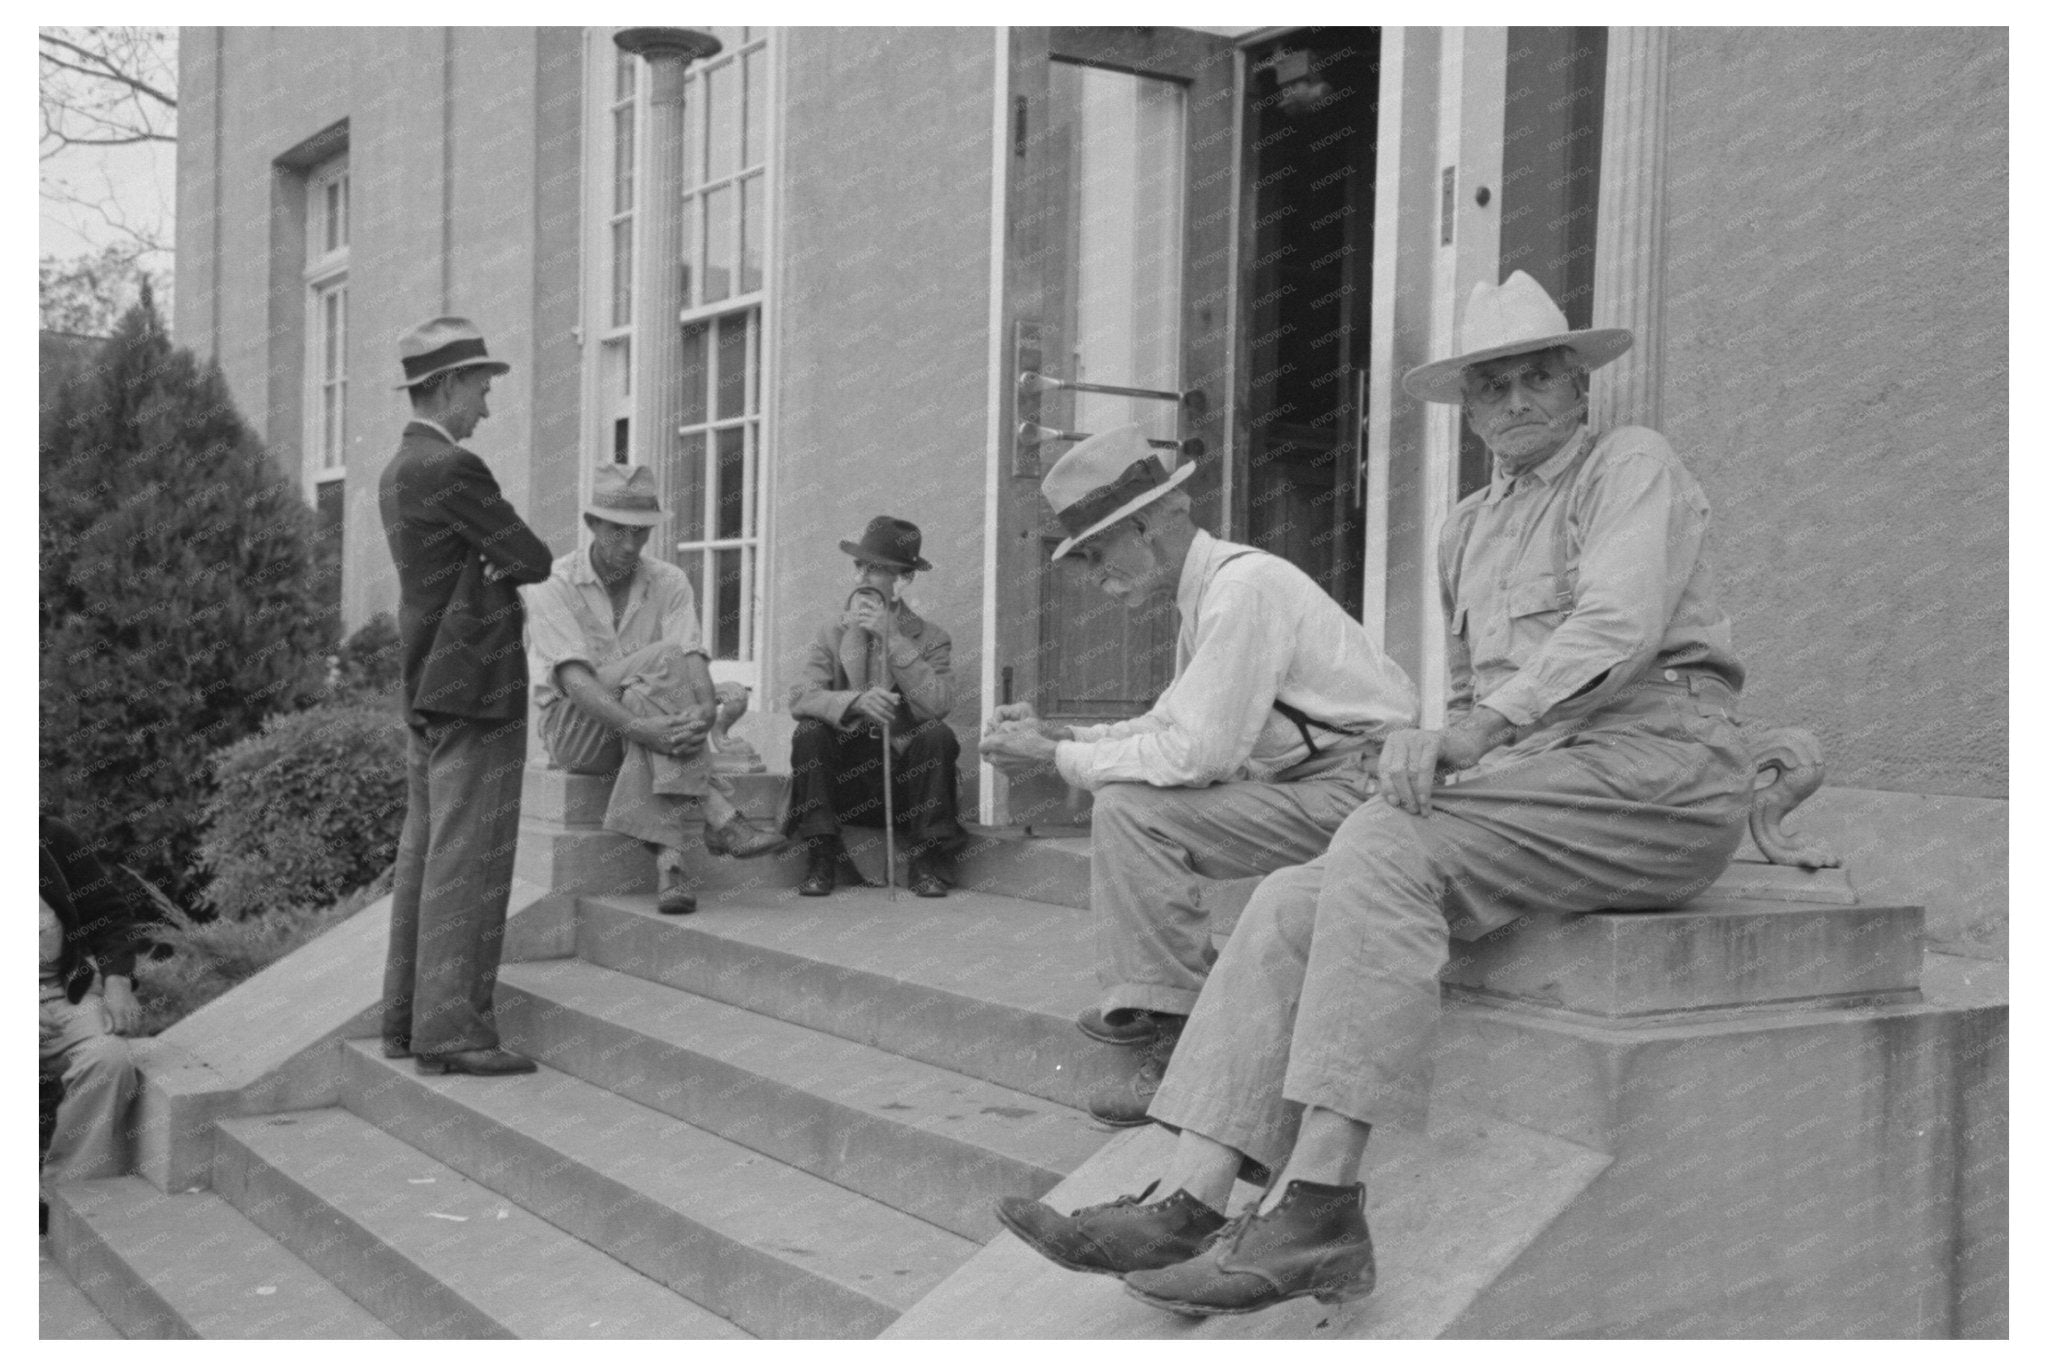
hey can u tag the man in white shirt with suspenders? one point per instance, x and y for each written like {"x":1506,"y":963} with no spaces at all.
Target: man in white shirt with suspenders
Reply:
{"x":1265,"y":740}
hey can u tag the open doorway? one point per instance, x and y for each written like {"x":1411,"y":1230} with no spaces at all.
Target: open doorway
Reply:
{"x":1310,"y":139}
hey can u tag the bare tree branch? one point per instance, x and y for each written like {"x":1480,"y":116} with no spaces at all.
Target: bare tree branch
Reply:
{"x":106,"y":69}
{"x":101,"y":89}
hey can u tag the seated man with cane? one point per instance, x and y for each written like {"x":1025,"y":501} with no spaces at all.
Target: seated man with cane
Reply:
{"x":871,"y":739}
{"x":1597,"y":764}
{"x":623,"y":685}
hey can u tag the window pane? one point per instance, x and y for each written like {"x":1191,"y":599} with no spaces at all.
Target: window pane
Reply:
{"x":694,"y":364}
{"x":722,"y":100}
{"x":622,"y":432}
{"x":752,"y":230}
{"x":685,"y":495}
{"x":731,"y":625}
{"x":732,"y":364}
{"x":622,"y":272}
{"x":330,"y":216}
{"x":344,"y":209}
{"x":693,"y":134}
{"x":1124,"y":137}
{"x":622,"y":159}
{"x":732,"y":482}
{"x":754,"y":148}
{"x":719,"y":246}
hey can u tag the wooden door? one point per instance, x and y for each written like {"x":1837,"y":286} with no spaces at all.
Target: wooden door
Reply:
{"x":1117,"y":274}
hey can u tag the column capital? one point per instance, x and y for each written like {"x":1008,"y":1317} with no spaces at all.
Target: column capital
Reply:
{"x":665,"y":44}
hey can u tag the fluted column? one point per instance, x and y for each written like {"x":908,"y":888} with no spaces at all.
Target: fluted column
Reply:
{"x":1628,"y":258}
{"x":658,"y":240}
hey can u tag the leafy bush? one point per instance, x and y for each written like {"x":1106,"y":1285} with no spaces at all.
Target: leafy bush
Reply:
{"x":176,"y":608}
{"x":208,"y":957}
{"x":305,"y":810}
{"x":371,"y":663}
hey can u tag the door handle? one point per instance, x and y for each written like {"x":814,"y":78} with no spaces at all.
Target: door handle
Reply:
{"x":1036,"y":434}
{"x":1035,"y":382}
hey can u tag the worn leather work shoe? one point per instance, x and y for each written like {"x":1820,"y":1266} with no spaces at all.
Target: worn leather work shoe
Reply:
{"x":1126,"y":1027}
{"x":476,"y":1062}
{"x":397,"y":1048}
{"x":675,"y":899}
{"x":741,"y":838}
{"x":1124,"y":1235}
{"x":818,"y":873}
{"x":924,"y":879}
{"x":1122,"y":1104}
{"x":1313,"y":1243}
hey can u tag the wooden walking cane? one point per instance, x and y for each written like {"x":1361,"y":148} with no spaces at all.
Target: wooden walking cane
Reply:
{"x":888,"y":771}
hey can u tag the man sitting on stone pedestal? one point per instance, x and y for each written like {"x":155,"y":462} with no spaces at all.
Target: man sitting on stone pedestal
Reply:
{"x":1256,"y":752}
{"x":876,"y":664}
{"x":1594,"y":762}
{"x":623,"y":685}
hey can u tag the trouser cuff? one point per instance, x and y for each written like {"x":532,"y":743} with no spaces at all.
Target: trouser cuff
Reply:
{"x":1265,"y":1139}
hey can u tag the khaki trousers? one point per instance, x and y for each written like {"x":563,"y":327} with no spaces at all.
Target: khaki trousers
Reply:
{"x":1327,"y":992}
{"x":91,"y":1136}
{"x":1151,"y":848}
{"x":652,"y":793}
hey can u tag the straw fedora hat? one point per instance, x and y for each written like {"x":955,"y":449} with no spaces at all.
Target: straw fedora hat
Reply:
{"x":1509,"y":319}
{"x":624,"y":494}
{"x":1104,"y":479}
{"x":439,"y":345}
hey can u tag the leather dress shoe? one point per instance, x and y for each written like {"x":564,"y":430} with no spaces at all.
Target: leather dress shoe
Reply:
{"x":476,"y":1062}
{"x":675,"y":899}
{"x":397,"y":1048}
{"x":818,"y":872}
{"x":1313,"y":1243}
{"x":1110,"y":1239}
{"x":925,"y":879}
{"x":1126,"y":1027}
{"x":741,"y":838}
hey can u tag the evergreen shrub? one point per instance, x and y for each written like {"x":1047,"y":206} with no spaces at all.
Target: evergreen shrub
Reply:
{"x":175,"y":595}
{"x":305,"y":810}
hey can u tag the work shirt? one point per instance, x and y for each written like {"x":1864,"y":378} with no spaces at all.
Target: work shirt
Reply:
{"x":1252,"y":630}
{"x":1565,"y":585}
{"x":569,"y":618}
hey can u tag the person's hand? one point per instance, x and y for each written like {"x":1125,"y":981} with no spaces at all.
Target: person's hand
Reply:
{"x":671,"y":735}
{"x":1009,"y":712}
{"x":876,"y":704}
{"x":867,"y":613}
{"x":124,"y":1012}
{"x":1411,"y":759}
{"x":1016,"y":746}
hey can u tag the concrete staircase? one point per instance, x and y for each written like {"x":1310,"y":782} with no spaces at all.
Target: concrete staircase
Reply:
{"x":790,"y":1118}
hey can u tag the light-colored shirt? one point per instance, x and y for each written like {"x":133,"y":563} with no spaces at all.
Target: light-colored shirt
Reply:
{"x":1563,"y":586}
{"x":1252,"y":631}
{"x":569,"y":618}
{"x":50,"y":940}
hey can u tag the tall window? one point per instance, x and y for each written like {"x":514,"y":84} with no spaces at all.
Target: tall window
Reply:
{"x":712,"y":491}
{"x":324,"y":452}
{"x":326,"y":438}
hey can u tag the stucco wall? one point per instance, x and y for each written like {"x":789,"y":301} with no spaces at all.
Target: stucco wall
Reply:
{"x":1835,"y":373}
{"x":511,"y":143}
{"x":883,"y":304}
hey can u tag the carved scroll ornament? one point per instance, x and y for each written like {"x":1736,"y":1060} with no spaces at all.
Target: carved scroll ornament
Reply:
{"x":1788,"y":771}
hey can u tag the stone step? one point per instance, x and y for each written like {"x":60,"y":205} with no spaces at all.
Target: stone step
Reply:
{"x":983,"y":985}
{"x":1716,"y":953}
{"x":774,"y":1250}
{"x":191,"y":1266}
{"x":62,"y":1310}
{"x":924,"y":1140}
{"x":1449,"y":1212}
{"x":432,"y":1253}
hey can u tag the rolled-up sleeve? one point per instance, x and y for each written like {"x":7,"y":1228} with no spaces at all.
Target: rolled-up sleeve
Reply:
{"x":1204,"y":729}
{"x":552,"y":636}
{"x":1641,"y":527}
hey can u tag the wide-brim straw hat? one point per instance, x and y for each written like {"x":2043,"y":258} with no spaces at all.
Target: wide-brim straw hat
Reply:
{"x":439,"y":345}
{"x":1509,"y":319}
{"x":1105,"y":479}
{"x":625,"y":494}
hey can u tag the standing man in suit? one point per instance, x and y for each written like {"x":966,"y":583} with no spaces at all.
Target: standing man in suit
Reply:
{"x":462,"y":553}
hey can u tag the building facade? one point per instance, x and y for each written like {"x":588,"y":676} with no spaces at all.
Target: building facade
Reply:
{"x":860,"y":270}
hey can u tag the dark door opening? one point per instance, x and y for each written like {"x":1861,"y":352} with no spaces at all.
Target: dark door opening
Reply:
{"x":1310,"y":142}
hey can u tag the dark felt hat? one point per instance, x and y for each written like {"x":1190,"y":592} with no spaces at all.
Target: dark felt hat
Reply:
{"x":889,"y":541}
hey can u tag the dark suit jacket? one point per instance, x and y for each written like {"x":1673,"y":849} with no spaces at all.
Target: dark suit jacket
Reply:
{"x":445,"y":520}
{"x":97,"y":907}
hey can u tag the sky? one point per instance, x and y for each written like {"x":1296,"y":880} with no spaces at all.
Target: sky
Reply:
{"x":139,"y":181}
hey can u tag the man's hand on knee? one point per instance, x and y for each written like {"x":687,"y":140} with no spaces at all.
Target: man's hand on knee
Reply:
{"x":1411,"y":759}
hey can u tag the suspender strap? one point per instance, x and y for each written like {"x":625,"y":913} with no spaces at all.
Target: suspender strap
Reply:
{"x":1301,"y":719}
